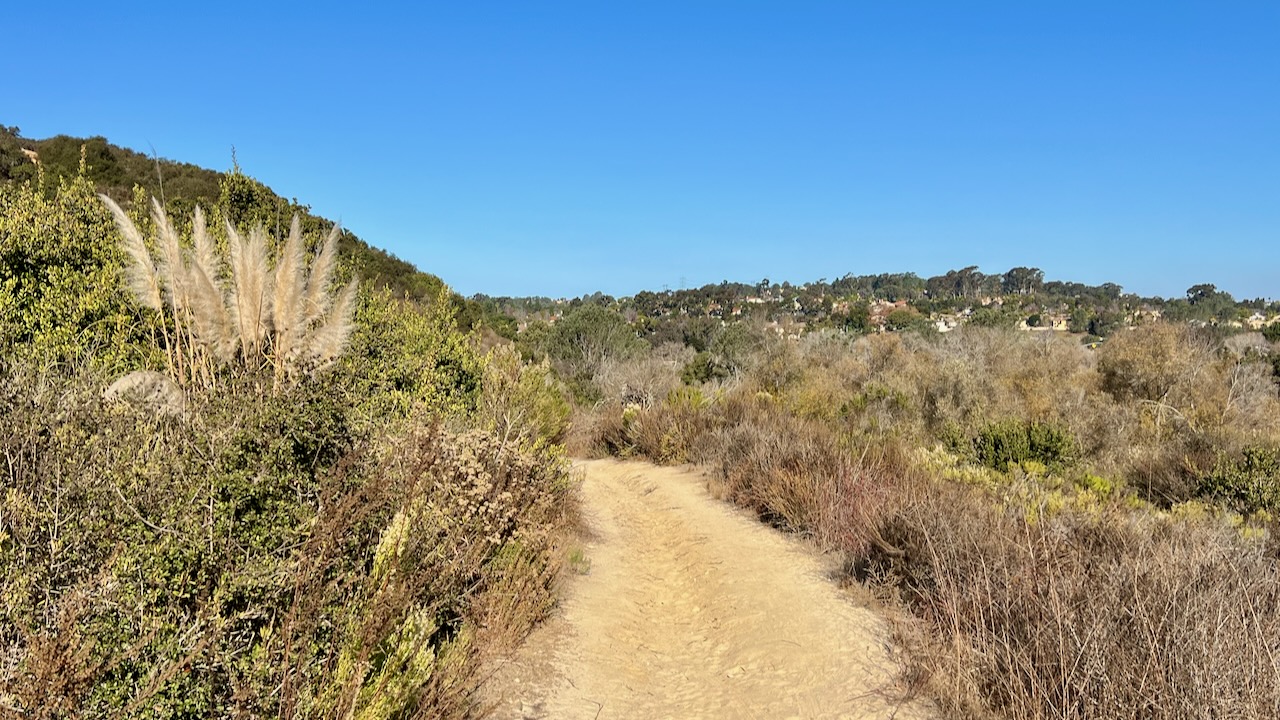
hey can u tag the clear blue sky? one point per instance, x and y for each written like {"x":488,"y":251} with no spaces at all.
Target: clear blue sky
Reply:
{"x":558,"y":148}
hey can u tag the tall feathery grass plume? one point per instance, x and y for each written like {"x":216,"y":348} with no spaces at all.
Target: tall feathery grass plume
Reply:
{"x":172,"y":265}
{"x":320,"y":277}
{"x":288,"y":296}
{"x":141,"y":273}
{"x":213,"y":319}
{"x":242,"y":310}
{"x":330,"y":338}
{"x":251,"y":291}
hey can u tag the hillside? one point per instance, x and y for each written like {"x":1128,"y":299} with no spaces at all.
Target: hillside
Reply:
{"x":224,"y":465}
{"x":116,"y":170}
{"x":860,"y":304}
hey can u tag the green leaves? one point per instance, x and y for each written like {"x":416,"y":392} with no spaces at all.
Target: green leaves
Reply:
{"x":1247,"y":484}
{"x":60,"y":273}
{"x":1013,"y":442}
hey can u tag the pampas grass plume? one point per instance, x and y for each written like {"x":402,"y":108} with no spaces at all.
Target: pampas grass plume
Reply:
{"x":259,"y":312}
{"x":140,"y":272}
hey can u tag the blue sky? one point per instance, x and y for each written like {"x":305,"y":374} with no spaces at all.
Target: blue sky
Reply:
{"x":559,"y":148}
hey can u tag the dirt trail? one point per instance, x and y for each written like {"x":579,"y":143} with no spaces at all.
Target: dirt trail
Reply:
{"x":691,"y":609}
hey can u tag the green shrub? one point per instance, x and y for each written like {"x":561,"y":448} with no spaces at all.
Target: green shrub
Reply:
{"x":1012,"y":441}
{"x":521,"y":402}
{"x":60,"y":294}
{"x":1247,"y":484}
{"x":579,"y":343}
{"x":315,"y":548}
{"x":703,"y":368}
{"x":405,"y":355}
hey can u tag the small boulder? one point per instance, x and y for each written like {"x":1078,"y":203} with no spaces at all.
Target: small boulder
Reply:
{"x":148,"y":389}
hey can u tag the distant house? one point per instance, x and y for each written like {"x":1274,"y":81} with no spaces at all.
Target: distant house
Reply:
{"x":879,"y":311}
{"x":1145,"y":315}
{"x":786,"y":328}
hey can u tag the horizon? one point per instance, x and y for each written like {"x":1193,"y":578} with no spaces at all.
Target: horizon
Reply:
{"x":569,"y":149}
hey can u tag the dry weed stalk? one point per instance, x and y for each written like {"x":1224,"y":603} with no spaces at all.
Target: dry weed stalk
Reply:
{"x":257,"y":314}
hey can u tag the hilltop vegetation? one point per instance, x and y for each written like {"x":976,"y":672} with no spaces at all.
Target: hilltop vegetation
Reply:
{"x":860,"y":304}
{"x":118,"y":171}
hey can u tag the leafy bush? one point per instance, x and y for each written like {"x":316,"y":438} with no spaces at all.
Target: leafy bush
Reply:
{"x":1248,"y":484}
{"x":579,"y":344}
{"x":521,"y":403}
{"x":1013,"y":442}
{"x":405,"y":354}
{"x":703,"y":368}
{"x":60,"y":294}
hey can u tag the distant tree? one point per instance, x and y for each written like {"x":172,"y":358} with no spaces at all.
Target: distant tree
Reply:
{"x":992,"y":317}
{"x":905,"y":318}
{"x":897,"y":286}
{"x":648,"y":303}
{"x":580,"y":342}
{"x":1200,"y":293}
{"x":964,"y":283}
{"x":1078,"y":320}
{"x":61,"y":156}
{"x":857,"y":319}
{"x":1209,"y":303}
{"x":1022,"y":281}
{"x":14,"y":164}
{"x":1104,"y":322}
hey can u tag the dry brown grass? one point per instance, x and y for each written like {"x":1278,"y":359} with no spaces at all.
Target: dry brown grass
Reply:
{"x":1085,"y":615}
{"x":1030,"y":597}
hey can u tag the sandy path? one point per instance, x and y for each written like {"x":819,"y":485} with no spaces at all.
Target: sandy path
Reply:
{"x":691,"y":609}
